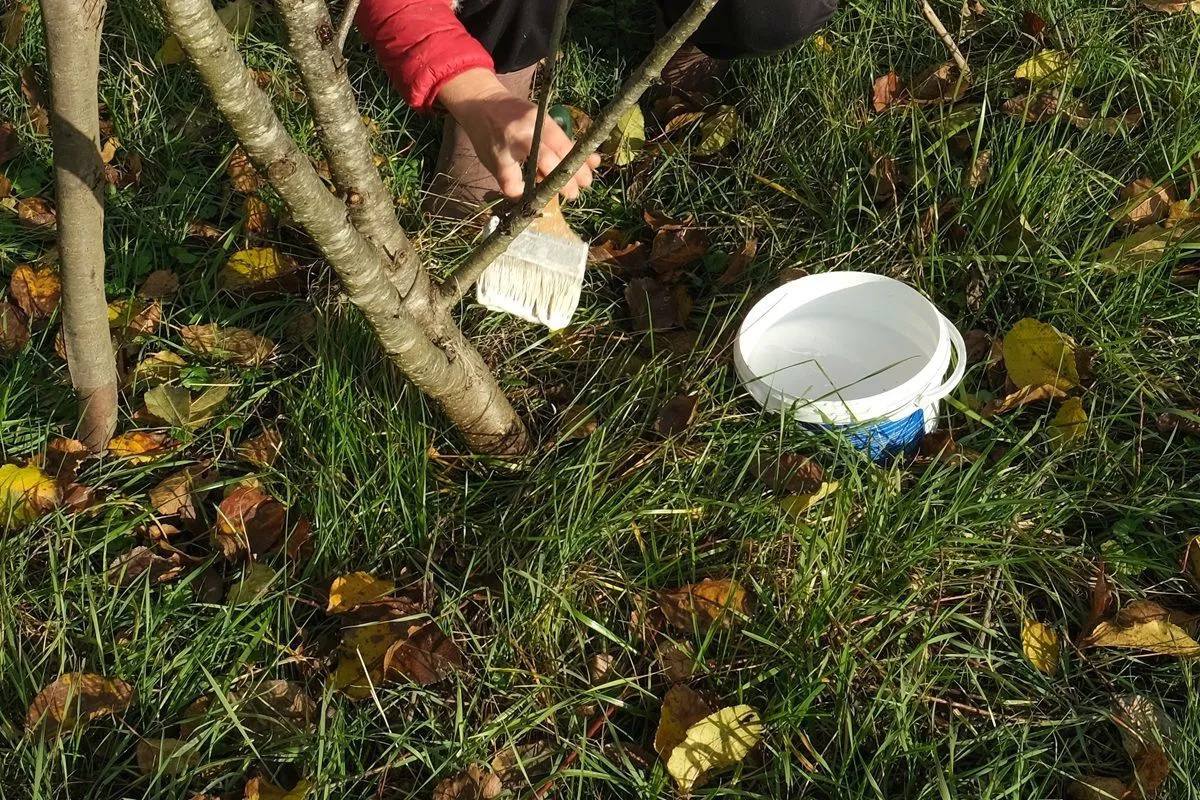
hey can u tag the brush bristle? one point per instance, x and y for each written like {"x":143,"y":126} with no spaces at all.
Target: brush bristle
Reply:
{"x":539,"y":279}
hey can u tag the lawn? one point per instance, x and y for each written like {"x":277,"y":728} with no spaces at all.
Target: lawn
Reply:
{"x":881,"y":643}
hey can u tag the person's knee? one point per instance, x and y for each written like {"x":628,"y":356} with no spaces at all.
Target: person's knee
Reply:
{"x":776,"y":25}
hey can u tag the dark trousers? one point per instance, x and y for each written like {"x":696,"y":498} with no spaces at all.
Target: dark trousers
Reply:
{"x":517,"y":32}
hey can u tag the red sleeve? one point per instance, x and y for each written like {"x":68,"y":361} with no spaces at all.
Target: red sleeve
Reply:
{"x":421,"y":45}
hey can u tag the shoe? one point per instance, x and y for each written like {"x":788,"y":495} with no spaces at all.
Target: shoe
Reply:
{"x":462,"y":185}
{"x":691,"y":72}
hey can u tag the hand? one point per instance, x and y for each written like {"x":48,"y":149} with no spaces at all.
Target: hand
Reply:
{"x":500,"y":127}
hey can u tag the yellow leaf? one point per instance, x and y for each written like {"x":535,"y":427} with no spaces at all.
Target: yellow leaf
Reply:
{"x":237,"y":17}
{"x":717,"y":742}
{"x":140,"y":447}
{"x":75,"y":698}
{"x":1147,"y":246}
{"x":1041,"y":646}
{"x":36,"y":290}
{"x":347,"y":592}
{"x":259,"y":788}
{"x":821,"y":45}
{"x":1069,"y":425}
{"x":363,"y":646}
{"x":628,"y":138}
{"x":254,"y":267}
{"x":156,"y":368}
{"x":1143,"y":625}
{"x":718,"y":129}
{"x":165,"y":756}
{"x":1097,"y":788}
{"x":797,"y":505}
{"x":1048,"y":67}
{"x":26,"y":493}
{"x":1173,"y":6}
{"x":175,"y":405}
{"x":261,"y":450}
{"x":1037,"y":354}
{"x":253,"y":585}
{"x":682,"y":708}
{"x":705,"y":604}
{"x":228,"y":344}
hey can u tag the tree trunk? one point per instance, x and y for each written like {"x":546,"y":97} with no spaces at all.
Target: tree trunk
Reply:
{"x":450,"y":370}
{"x":73,"y":45}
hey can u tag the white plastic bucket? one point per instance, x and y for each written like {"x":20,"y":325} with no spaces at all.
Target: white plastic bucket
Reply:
{"x":852,"y":350}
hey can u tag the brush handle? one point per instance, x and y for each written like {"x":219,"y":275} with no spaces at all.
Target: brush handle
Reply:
{"x":552,"y":222}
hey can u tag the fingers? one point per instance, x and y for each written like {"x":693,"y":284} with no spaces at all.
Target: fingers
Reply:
{"x":512,"y":182}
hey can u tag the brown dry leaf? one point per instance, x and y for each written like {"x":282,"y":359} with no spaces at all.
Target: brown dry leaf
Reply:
{"x":682,"y":708}
{"x":788,"y":473}
{"x":35,"y":98}
{"x":156,"y":368}
{"x":258,"y":215}
{"x":198,"y":229}
{"x":887,"y":181}
{"x":655,"y":306}
{"x":425,"y":656}
{"x":348,"y":592}
{"x":678,"y":660}
{"x":243,"y":177}
{"x":259,"y":788}
{"x":165,"y":756}
{"x":126,"y":172}
{"x":675,"y":247}
{"x":163,"y":564}
{"x":711,"y":602}
{"x":1143,"y":202}
{"x":677,"y":415}
{"x":1145,"y":625}
{"x":577,"y":422}
{"x":1048,"y":106}
{"x":35,"y":212}
{"x":77,"y":498}
{"x":738,"y":262}
{"x":363,"y":645}
{"x":13,"y":22}
{"x":682,"y":120}
{"x":1146,"y":734}
{"x":249,"y":523}
{"x":261,"y":450}
{"x":1184,"y":422}
{"x":75,"y":698}
{"x":1021,"y":397}
{"x":10,"y":143}
{"x":130,"y":318}
{"x":159,"y":285}
{"x":616,"y":254}
{"x":1101,"y":600}
{"x":237,"y":345}
{"x":887,"y":91}
{"x":275,"y":706}
{"x":5,"y":187}
{"x":1032,"y":24}
{"x":14,"y":333}
{"x":943,"y":83}
{"x":1093,"y":787}
{"x":37,"y":290}
{"x":1172,"y":6}
{"x":141,"y":447}
{"x":978,"y":171}
{"x":1147,"y":246}
{"x":177,"y":494}
{"x":476,"y":782}
{"x":518,"y":765}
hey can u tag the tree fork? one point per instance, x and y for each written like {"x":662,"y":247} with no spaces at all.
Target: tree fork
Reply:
{"x":73,"y":49}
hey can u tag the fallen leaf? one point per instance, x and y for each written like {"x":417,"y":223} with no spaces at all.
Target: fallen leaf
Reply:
{"x":26,"y":493}
{"x":253,"y":584}
{"x":5,"y":186}
{"x":141,"y":447}
{"x":655,"y":306}
{"x":577,"y":422}
{"x":1172,"y":6}
{"x":1037,"y":354}
{"x":14,"y":334}
{"x":262,"y":450}
{"x":1041,"y":646}
{"x":10,"y":143}
{"x":275,"y":707}
{"x":36,"y":212}
{"x":62,"y":458}
{"x":887,"y":91}
{"x":360,"y":658}
{"x":617,"y":254}
{"x":254,"y":268}
{"x":678,"y":660}
{"x":978,"y":171}
{"x":518,"y":764}
{"x":237,"y":17}
{"x":1147,"y":246}
{"x":675,"y":247}
{"x":36,"y":290}
{"x":716,"y":742}
{"x":159,"y":285}
{"x":718,"y":130}
{"x":476,"y":782}
{"x":943,"y":83}
{"x":258,"y":215}
{"x":158,"y":367}
{"x":425,"y":656}
{"x":682,"y":708}
{"x":677,"y":415}
{"x":165,"y":756}
{"x":203,"y":230}
{"x":1097,"y":788}
{"x":1069,"y":426}
{"x":249,"y":523}
{"x":821,"y":45}
{"x":134,"y":317}
{"x":1146,"y":733}
{"x":175,"y":406}
{"x":788,"y":473}
{"x":1021,"y":397}
{"x":75,"y":698}
{"x":176,"y":495}
{"x":13,"y":23}
{"x":797,"y":505}
{"x":228,"y":344}
{"x":35,"y":100}
{"x":163,"y":565}
{"x":1032,"y":24}
{"x":259,"y":788}
{"x":887,"y":181}
{"x":1045,"y":68}
{"x":713,"y":602}
{"x":1101,"y":599}
{"x":1184,"y":422}
{"x":348,"y":592}
{"x":1144,"y":625}
{"x":1144,"y":201}
{"x":628,"y":138}
{"x":738,"y":262}
{"x":1047,"y":106}
{"x":684,"y":120}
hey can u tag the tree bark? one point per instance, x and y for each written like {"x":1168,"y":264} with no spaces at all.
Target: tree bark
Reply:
{"x":450,"y":370}
{"x":73,"y":46}
{"x":462,"y":279}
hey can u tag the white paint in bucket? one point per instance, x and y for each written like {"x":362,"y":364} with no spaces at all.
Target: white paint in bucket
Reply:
{"x":854,"y":350}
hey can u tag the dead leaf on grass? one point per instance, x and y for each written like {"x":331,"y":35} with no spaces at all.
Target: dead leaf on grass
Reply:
{"x":262,"y":450}
{"x":476,"y":782}
{"x":887,"y":91}
{"x":424,"y":656}
{"x":260,"y":788}
{"x":249,"y":523}
{"x":131,"y":318}
{"x":1041,"y":646}
{"x":1144,"y":201}
{"x":797,"y":506}
{"x":1147,"y":246}
{"x":237,"y":345}
{"x":943,"y":83}
{"x":1093,"y":787}
{"x":166,"y":756}
{"x":682,"y":707}
{"x":163,"y":564}
{"x":175,"y":406}
{"x":978,"y":171}
{"x":1172,"y":6}
{"x":257,"y":268}
{"x":26,"y":493}
{"x":36,"y":212}
{"x":885,"y":172}
{"x":788,"y":473}
{"x":1021,"y":397}
{"x":10,"y":143}
{"x":677,"y":415}
{"x":348,"y":592}
{"x":1184,"y":422}
{"x":141,"y":447}
{"x":1069,"y":426}
{"x":718,"y":741}
{"x":256,"y":579}
{"x":75,"y":698}
{"x":36,"y":290}
{"x":258,"y":215}
{"x":360,"y":658}
{"x":1146,"y":735}
{"x":35,"y":100}
{"x":616,"y":254}
{"x":577,"y":422}
{"x":655,"y":306}
{"x":157,"y":367}
{"x":718,"y":130}
{"x":1038,"y":354}
{"x":161,"y":284}
{"x":177,"y":494}
{"x":14,"y":333}
{"x":713,"y":602}
{"x":1145,"y":625}
{"x":675,"y":247}
{"x":738,"y":262}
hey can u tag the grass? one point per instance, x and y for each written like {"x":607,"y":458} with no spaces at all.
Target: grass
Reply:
{"x":884,"y":653}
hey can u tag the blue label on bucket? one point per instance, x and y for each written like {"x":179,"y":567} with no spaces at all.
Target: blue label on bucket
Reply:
{"x":889,"y":438}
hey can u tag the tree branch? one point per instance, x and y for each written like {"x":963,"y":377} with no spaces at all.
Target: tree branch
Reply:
{"x":451,"y":373}
{"x":519,"y":218}
{"x":343,"y":31}
{"x":945,"y":36}
{"x":344,"y":139}
{"x":73,"y":46}
{"x":544,"y":89}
